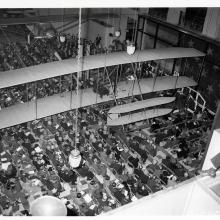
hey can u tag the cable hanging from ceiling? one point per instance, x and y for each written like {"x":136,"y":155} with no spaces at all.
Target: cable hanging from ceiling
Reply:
{"x":78,"y":74}
{"x":118,"y":31}
{"x":62,"y":36}
{"x":131,"y":44}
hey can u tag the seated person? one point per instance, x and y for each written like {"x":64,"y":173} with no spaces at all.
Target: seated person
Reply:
{"x":141,"y":176}
{"x":118,"y":167}
{"x":184,"y":150}
{"x":120,"y":194}
{"x":178,"y":119}
{"x":171,"y":181}
{"x":142,"y":190}
{"x":85,"y":172}
{"x":164,"y":176}
{"x":98,"y":146}
{"x":134,"y":161}
{"x":30,"y":137}
{"x":141,"y":152}
{"x":125,"y":154}
{"x":160,"y":136}
{"x":118,"y":149}
{"x":154,"y":126}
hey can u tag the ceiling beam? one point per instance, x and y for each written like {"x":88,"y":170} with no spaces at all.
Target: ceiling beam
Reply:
{"x":54,"y":18}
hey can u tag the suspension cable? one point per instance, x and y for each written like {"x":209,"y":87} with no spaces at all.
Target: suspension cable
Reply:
{"x":106,"y":70}
{"x":78,"y":73}
{"x":134,"y":27}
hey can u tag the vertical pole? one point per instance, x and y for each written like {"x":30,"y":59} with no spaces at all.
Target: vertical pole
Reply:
{"x":27,"y":92}
{"x":78,"y":73}
{"x":174,"y":64}
{"x":184,"y":69}
{"x":105,"y":70}
{"x":116,"y":79}
{"x":156,"y":35}
{"x":175,"y":60}
{"x":143,"y":26}
{"x":201,"y":69}
{"x":71,"y":90}
{"x":35,"y":85}
{"x":136,"y":29}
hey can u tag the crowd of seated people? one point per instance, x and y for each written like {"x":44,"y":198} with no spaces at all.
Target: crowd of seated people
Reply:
{"x":48,"y":87}
{"x":15,"y":55}
{"x":182,"y":135}
{"x":117,"y":167}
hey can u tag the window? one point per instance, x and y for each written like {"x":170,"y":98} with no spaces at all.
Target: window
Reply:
{"x":160,"y":13}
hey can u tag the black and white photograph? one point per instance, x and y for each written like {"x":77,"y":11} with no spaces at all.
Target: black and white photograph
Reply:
{"x":109,"y":109}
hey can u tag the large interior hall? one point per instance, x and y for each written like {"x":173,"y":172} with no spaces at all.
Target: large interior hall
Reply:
{"x":105,"y":108}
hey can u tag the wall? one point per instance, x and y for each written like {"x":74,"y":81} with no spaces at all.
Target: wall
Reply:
{"x":173,"y":15}
{"x":72,"y":28}
{"x":95,"y":28}
{"x":212,"y":23}
{"x":56,"y":11}
{"x":213,"y":150}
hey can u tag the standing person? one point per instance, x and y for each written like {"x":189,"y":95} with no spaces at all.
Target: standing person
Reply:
{"x":98,"y":40}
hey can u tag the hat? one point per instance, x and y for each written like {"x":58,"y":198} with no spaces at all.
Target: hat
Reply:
{"x":75,"y":153}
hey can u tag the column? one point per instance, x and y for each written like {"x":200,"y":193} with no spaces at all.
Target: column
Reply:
{"x":173,"y":15}
{"x":211,"y":27}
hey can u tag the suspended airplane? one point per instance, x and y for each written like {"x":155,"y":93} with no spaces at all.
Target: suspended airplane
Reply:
{"x":114,"y":117}
{"x":140,"y":116}
{"x":56,"y":103}
{"x":140,"y":105}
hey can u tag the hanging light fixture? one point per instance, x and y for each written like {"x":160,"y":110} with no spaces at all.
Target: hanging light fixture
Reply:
{"x":48,"y":206}
{"x":130,"y":44}
{"x":130,"y":48}
{"x":75,"y":158}
{"x":62,"y":35}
